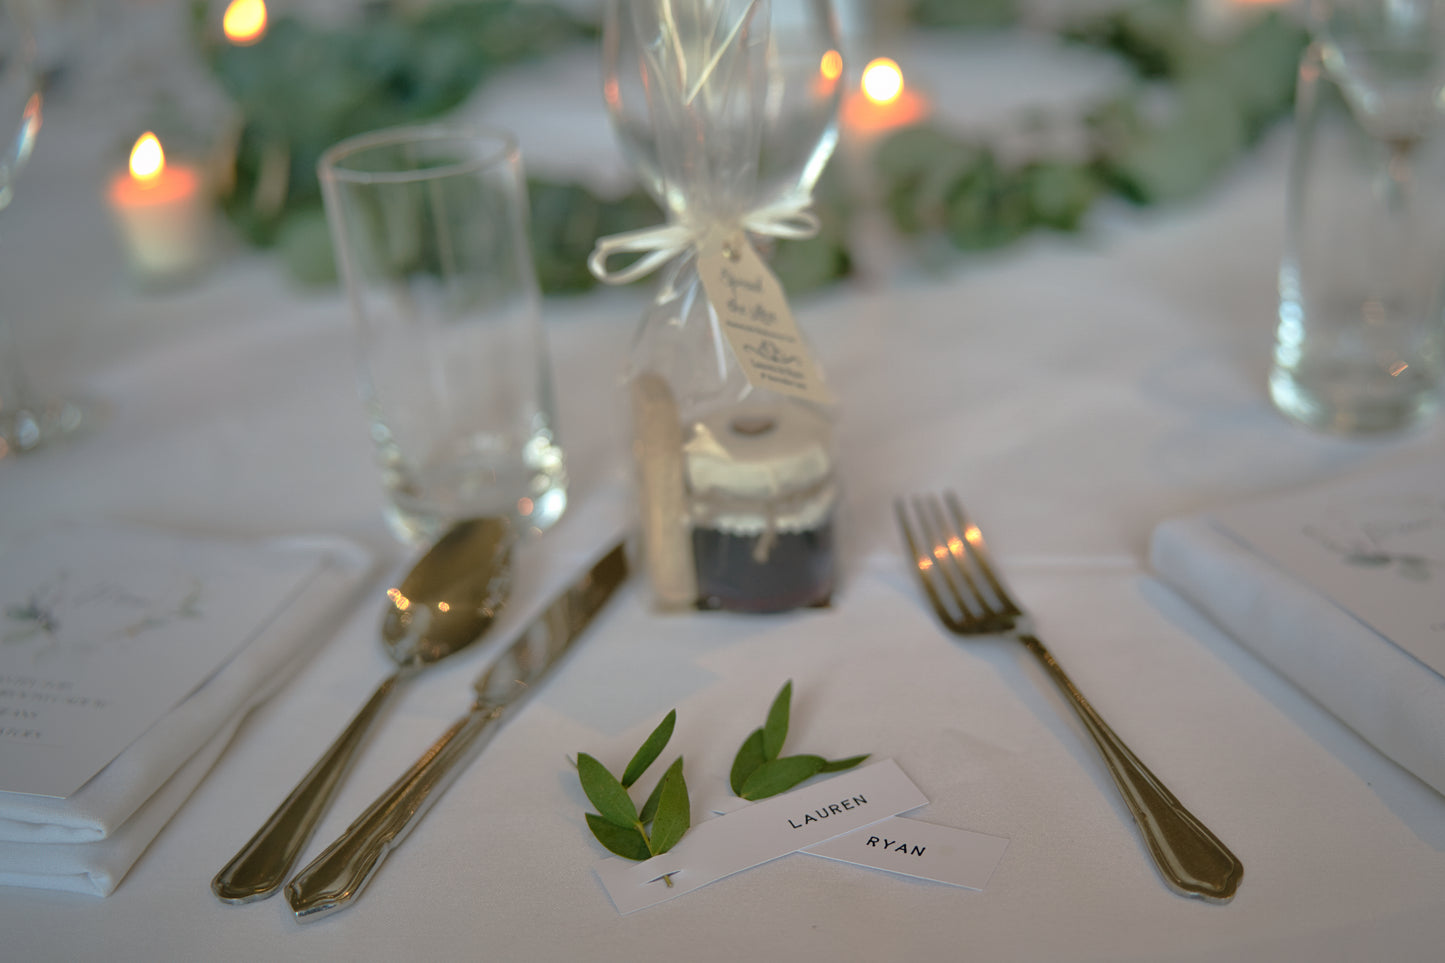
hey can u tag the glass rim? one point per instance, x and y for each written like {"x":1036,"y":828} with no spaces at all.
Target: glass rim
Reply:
{"x":332,"y":163}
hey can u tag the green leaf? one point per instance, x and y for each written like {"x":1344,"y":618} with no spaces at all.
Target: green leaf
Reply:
{"x":649,"y":808}
{"x":838,"y":765}
{"x":628,"y":842}
{"x":775,"y":730}
{"x":749,"y":757}
{"x":674,"y":815}
{"x":605,"y":792}
{"x":780,"y":775}
{"x":651,"y":749}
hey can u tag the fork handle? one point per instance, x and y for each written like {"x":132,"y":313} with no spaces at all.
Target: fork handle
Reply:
{"x":1191,"y":858}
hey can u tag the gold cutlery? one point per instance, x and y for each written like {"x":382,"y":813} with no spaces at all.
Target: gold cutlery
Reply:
{"x":336,"y":877}
{"x":953,"y":566}
{"x":446,"y":602}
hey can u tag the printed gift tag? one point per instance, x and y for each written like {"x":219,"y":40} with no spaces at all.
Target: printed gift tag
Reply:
{"x":754,"y":313}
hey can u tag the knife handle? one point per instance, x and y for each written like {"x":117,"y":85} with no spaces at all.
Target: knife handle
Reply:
{"x":260,"y":867}
{"x":335,"y":878}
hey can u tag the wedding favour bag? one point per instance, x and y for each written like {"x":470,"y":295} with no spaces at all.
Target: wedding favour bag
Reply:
{"x":728,"y":111}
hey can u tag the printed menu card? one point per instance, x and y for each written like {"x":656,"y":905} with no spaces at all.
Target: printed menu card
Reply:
{"x":1375,"y":546}
{"x":104,"y":630}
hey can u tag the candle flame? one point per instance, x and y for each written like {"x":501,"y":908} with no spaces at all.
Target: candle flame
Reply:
{"x":882,"y":81}
{"x":244,"y":22}
{"x":832,"y":66}
{"x":147,"y":159}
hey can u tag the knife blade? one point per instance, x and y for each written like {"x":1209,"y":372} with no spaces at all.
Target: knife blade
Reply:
{"x":335,"y":878}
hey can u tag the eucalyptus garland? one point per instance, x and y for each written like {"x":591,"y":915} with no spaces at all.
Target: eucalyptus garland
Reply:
{"x":1194,"y":106}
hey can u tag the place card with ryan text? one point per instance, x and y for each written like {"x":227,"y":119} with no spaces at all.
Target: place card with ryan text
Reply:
{"x":844,"y":806}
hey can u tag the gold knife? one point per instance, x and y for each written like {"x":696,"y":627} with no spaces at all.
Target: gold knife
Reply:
{"x":335,"y":878}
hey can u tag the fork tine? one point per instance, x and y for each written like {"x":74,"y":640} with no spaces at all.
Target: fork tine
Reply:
{"x":948,"y":552}
{"x":978,"y":549}
{"x":923,"y":563}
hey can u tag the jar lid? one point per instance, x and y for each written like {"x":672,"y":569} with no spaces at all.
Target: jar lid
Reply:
{"x":752,"y":467}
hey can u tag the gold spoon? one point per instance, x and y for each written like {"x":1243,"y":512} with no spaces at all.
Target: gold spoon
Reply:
{"x":446,"y":602}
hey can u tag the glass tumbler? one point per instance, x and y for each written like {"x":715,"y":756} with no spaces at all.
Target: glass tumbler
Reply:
{"x":1360,"y":342}
{"x":429,"y":226}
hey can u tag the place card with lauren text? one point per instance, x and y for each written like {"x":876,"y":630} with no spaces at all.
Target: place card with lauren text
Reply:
{"x":843,"y":807}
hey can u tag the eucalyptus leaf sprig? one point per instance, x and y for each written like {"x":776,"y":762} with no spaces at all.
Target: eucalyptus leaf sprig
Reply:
{"x":760,"y":770}
{"x":618,"y":824}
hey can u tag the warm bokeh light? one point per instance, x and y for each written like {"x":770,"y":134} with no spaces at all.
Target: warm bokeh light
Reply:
{"x":882,"y":81}
{"x":525,"y":506}
{"x":832,"y":66}
{"x":244,"y":22}
{"x":401,"y":602}
{"x":147,"y":159}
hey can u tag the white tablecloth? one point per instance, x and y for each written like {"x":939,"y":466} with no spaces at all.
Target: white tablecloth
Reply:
{"x":1075,"y":391}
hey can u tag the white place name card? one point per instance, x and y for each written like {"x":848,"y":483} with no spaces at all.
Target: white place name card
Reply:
{"x":845,"y":807}
{"x":959,"y":857}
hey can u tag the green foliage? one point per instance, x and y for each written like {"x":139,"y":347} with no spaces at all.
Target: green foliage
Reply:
{"x":1222,"y":96}
{"x":1197,"y":105}
{"x":302,"y":88}
{"x":759,"y":770}
{"x":780,"y":775}
{"x":749,"y":757}
{"x":971,"y":14}
{"x":649,"y":751}
{"x":617,"y":824}
{"x":1200,"y":103}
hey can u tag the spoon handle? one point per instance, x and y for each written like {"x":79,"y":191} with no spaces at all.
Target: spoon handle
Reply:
{"x":337,"y":876}
{"x":260,"y":867}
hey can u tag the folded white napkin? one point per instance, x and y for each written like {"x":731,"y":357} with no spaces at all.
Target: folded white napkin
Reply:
{"x":1392,"y":699}
{"x":87,"y":841}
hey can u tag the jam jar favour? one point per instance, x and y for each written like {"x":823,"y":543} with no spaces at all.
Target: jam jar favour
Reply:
{"x":762,"y":496}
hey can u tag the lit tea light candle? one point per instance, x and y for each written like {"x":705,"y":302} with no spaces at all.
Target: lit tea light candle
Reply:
{"x":162,"y":213}
{"x":244,"y":21}
{"x":883,"y":101}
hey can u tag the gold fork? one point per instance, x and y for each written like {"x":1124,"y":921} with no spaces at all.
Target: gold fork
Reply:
{"x":953,"y":567}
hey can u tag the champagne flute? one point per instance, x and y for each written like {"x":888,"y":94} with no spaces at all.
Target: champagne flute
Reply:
{"x":1360,"y":338}
{"x":25,"y":422}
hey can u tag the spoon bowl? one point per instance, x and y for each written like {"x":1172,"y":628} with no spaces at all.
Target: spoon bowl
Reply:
{"x":446,"y":602}
{"x":451,"y":596}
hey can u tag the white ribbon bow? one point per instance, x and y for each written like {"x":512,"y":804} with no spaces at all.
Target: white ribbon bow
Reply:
{"x":788,"y":219}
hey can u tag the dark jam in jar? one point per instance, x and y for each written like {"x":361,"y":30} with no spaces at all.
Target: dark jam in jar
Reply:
{"x":797,"y":573}
{"x":762,"y":502}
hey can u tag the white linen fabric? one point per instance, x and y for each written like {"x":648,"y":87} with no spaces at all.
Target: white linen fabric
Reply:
{"x":1376,"y":688}
{"x":87,"y":841}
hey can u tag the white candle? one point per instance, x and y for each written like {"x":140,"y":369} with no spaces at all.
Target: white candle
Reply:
{"x":162,"y":213}
{"x":882,"y":102}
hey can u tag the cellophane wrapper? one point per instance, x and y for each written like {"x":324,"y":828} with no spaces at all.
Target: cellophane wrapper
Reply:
{"x":726,"y":108}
